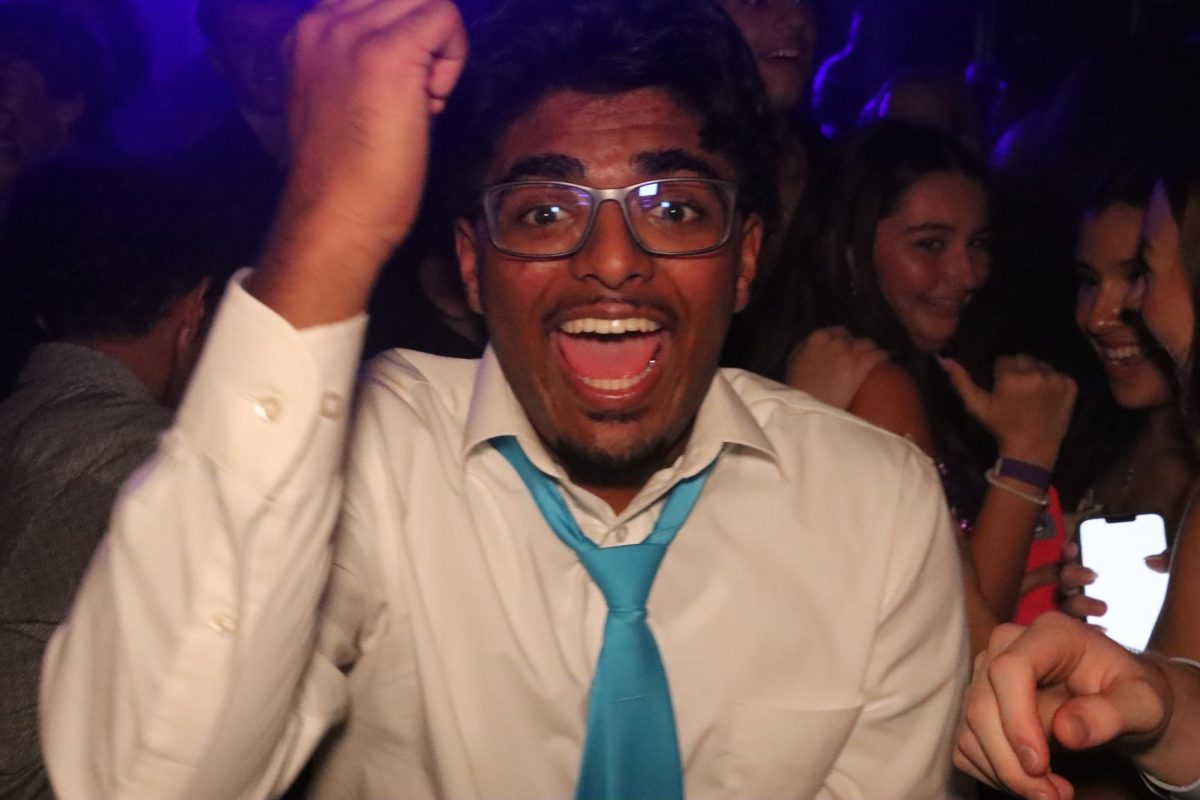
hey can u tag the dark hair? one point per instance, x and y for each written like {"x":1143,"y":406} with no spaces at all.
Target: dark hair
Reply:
{"x":72,"y":58}
{"x":103,"y":248}
{"x":1131,"y":184}
{"x":209,"y":12}
{"x":1181,"y":184}
{"x":689,"y":48}
{"x":866,"y":176}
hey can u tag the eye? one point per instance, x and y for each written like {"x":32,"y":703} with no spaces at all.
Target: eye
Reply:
{"x":541,"y":216}
{"x":674,"y":211}
{"x":931,"y":244}
{"x":982,"y":244}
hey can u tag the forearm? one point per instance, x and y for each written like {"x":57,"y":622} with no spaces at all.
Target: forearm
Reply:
{"x":1177,"y":632}
{"x":999,"y":545}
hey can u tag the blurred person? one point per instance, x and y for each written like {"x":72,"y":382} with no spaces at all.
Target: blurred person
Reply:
{"x":245,"y":46}
{"x":612,"y":189}
{"x":844,"y":81}
{"x":936,"y":98}
{"x":1062,"y":681}
{"x":1153,"y":467}
{"x":896,"y":249}
{"x":782,"y":35}
{"x":116,"y":275}
{"x":55,"y":86}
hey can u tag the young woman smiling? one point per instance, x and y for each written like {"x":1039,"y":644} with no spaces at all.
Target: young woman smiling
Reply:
{"x":894,"y":248}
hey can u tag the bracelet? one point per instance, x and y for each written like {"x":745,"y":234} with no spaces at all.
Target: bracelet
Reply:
{"x":1023,"y":471}
{"x":994,"y":480}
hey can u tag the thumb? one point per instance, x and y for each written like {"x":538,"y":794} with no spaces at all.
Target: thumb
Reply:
{"x":974,"y":398}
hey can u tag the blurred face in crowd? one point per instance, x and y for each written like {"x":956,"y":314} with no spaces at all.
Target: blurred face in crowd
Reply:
{"x":782,"y":34}
{"x":932,"y":254}
{"x":1162,"y":292}
{"x":609,"y":350}
{"x":1108,"y":263}
{"x":33,"y":123}
{"x":247,"y":51}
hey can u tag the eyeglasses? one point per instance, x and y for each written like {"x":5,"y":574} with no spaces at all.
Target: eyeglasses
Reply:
{"x":666,"y":217}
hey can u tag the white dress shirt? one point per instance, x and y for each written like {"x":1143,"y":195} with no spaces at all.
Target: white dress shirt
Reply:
{"x":809,"y":613}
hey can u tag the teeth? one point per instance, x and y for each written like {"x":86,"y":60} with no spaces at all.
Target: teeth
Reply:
{"x":618,"y":384}
{"x":609,"y":327}
{"x":1122,"y":353}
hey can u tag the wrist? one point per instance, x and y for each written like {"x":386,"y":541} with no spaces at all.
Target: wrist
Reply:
{"x":1167,"y":752}
{"x":1035,"y":454}
{"x":1025,"y":472}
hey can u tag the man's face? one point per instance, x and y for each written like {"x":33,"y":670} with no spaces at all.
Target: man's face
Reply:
{"x":247,"y":50}
{"x":33,"y":123}
{"x":613,"y":406}
{"x":783,"y":36}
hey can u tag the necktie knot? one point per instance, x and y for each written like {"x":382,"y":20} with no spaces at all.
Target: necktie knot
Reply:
{"x":624,"y":574}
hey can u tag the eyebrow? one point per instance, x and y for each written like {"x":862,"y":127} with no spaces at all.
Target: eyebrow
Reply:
{"x":551,"y":166}
{"x":945,"y":227}
{"x":657,"y":162}
{"x":937,"y":227}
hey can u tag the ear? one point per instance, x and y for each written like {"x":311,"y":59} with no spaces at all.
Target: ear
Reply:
{"x":466,"y":247}
{"x":192,"y":310}
{"x":752,"y":233}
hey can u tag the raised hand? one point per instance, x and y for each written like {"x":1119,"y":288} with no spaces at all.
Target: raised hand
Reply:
{"x":831,"y":365}
{"x":1028,"y":409}
{"x":368,"y":75}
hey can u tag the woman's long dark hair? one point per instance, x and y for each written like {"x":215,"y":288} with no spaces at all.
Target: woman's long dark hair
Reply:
{"x":1181,"y":182}
{"x":828,"y":276}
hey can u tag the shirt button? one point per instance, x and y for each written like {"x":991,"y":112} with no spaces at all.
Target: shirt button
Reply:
{"x":224,"y":624}
{"x":621,"y":533}
{"x":268,"y":409}
{"x":331,"y":405}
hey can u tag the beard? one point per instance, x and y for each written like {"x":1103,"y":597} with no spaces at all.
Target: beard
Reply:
{"x":591,"y":466}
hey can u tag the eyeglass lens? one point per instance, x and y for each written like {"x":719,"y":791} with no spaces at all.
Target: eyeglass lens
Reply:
{"x":541,"y":219}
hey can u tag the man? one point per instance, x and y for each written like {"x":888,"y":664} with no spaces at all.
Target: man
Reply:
{"x":54,"y":86}
{"x":118,"y":282}
{"x":805,"y":635}
{"x":1064,"y":679}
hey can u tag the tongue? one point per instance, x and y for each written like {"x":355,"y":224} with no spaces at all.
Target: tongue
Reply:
{"x":608,"y":357}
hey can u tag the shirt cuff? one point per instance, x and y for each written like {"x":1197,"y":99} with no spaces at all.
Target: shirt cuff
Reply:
{"x":1189,"y":792}
{"x":268,"y":403}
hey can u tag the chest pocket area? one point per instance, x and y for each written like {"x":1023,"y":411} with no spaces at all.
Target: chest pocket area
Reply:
{"x":775,"y":752}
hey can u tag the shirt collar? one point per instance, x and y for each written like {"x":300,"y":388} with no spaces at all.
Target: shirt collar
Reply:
{"x":65,"y":364}
{"x":723,"y":420}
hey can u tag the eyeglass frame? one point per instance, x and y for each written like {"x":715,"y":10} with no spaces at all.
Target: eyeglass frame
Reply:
{"x":619,"y":195}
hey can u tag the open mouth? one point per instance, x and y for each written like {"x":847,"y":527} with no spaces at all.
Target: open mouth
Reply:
{"x":1120,"y":355}
{"x":613,"y":356}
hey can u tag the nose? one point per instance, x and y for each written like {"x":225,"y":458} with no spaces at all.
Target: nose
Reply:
{"x":610,"y":255}
{"x":1106,"y":308}
{"x":968,"y":268}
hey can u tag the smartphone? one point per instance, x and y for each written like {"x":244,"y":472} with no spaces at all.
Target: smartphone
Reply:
{"x":1115,"y":547}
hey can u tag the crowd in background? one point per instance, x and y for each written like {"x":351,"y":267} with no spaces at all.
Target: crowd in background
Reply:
{"x":958,"y":232}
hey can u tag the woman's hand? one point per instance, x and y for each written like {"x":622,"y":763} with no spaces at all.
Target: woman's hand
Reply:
{"x":1028,"y":409}
{"x":831,"y":365}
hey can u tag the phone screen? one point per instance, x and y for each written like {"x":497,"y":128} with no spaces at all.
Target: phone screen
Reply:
{"x":1116,"y":547}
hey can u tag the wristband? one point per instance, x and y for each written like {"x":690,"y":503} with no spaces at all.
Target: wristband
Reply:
{"x":1022,"y":471}
{"x":994,"y":480}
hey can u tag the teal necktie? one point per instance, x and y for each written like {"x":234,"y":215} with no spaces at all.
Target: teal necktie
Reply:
{"x":631,"y":751}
